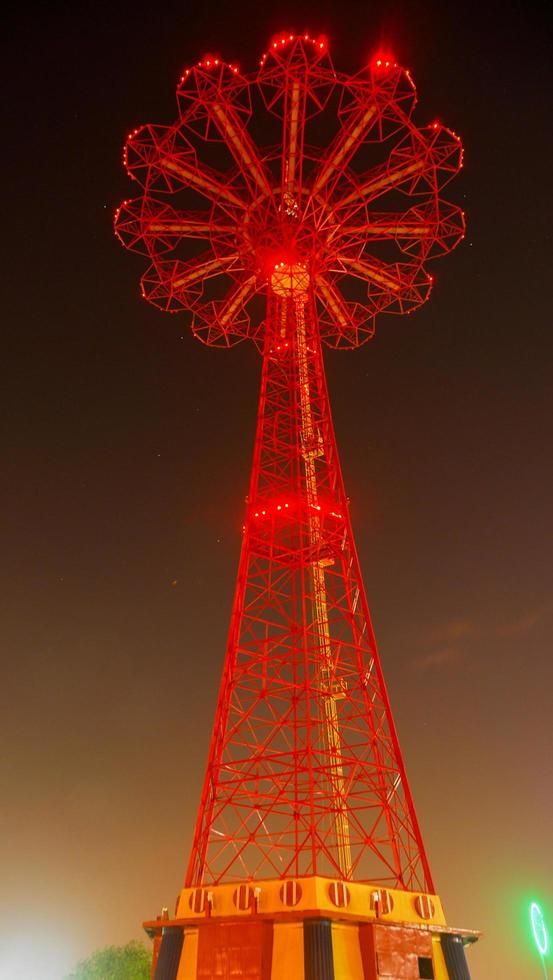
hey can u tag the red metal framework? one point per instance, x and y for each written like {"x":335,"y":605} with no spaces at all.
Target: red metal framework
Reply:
{"x":305,"y":774}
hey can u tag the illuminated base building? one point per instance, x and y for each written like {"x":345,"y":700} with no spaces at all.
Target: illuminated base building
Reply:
{"x":307,"y":861}
{"x":308,"y":929}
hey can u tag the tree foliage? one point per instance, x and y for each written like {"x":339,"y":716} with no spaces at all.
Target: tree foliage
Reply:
{"x":130,"y":962}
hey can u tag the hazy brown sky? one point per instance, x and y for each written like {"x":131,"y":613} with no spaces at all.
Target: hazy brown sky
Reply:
{"x":126,"y":452}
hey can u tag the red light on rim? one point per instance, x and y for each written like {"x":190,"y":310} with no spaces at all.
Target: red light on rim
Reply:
{"x":383,"y":60}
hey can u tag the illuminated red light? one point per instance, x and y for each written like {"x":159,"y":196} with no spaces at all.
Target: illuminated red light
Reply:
{"x":274,"y":507}
{"x":384,"y":60}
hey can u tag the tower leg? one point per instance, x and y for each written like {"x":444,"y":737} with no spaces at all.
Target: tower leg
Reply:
{"x":454,"y":955}
{"x":170,"y":952}
{"x":318,"y":954}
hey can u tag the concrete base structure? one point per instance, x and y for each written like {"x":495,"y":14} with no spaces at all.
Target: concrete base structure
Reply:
{"x":307,"y":929}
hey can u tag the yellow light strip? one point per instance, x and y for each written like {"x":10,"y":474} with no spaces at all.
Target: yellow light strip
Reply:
{"x":402,"y":231}
{"x":293,"y":137}
{"x":201,"y":228}
{"x":240,"y":143}
{"x":331,"y":301}
{"x":213,"y":189}
{"x":343,"y":149}
{"x":203,"y":271}
{"x":384,"y":182}
{"x":237,"y":300}
{"x":369,"y":272}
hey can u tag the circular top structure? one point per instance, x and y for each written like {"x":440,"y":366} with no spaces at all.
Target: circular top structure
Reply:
{"x":239,"y":188}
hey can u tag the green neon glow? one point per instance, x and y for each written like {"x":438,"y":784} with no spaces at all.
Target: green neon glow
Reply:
{"x":539,"y":931}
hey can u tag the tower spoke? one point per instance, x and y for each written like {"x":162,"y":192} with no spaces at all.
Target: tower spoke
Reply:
{"x":214,"y":187}
{"x":381,"y":180}
{"x":241,"y":146}
{"x":332,"y":300}
{"x":184,"y":225}
{"x":344,"y":146}
{"x":389,"y":277}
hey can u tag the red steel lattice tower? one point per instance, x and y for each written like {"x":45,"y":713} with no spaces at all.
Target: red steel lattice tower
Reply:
{"x":301,"y":247}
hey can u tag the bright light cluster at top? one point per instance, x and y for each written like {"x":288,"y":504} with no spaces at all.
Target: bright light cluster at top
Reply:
{"x":384,"y":61}
{"x":209,"y":61}
{"x":280,"y":41}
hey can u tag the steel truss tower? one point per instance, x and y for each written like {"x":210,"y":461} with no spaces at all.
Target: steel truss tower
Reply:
{"x":305,"y":775}
{"x":305,"y":809}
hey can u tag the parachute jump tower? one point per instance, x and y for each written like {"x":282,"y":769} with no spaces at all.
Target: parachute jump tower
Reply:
{"x":307,"y":861}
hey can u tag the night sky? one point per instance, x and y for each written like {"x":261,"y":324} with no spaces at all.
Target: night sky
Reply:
{"x":125,"y":461}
